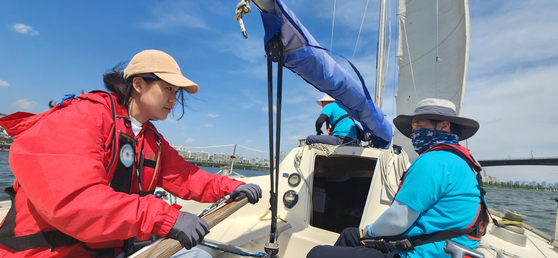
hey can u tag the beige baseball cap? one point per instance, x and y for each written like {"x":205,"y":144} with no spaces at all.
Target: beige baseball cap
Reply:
{"x":162,"y":65}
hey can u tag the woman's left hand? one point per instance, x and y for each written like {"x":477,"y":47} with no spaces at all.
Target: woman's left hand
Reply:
{"x":253,"y":192}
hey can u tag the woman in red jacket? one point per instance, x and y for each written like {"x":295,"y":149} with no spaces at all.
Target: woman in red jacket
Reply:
{"x":86,"y":170}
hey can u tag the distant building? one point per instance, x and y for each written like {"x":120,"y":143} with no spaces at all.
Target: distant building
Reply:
{"x":248,"y":160}
{"x":181,"y":150}
{"x":225,"y":158}
{"x":200,"y":156}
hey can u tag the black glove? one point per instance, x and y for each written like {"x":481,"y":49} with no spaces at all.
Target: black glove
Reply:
{"x":189,"y":230}
{"x":252,"y":191}
{"x":319,"y":132}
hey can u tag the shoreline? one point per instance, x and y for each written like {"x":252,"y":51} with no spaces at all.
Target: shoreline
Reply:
{"x":525,"y":189}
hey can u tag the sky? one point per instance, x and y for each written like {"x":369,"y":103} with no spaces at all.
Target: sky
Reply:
{"x":48,"y":50}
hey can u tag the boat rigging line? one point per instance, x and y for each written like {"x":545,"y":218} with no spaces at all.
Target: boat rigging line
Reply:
{"x":360,"y":30}
{"x":274,"y":53}
{"x":227,"y":145}
{"x":332,"y":26}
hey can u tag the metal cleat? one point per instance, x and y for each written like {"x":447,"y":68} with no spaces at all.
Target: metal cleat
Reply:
{"x":458,"y":251}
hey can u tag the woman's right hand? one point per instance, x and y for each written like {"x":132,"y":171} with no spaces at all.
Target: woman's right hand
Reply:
{"x":189,"y":230}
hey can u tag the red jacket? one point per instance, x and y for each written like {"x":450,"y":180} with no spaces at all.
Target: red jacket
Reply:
{"x":60,"y":160}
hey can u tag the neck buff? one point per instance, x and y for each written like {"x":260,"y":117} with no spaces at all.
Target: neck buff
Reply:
{"x":424,"y":139}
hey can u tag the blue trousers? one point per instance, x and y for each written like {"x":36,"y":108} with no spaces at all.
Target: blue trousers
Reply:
{"x":348,"y":245}
{"x":328,"y":139}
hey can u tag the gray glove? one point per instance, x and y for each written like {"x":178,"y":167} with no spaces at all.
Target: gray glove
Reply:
{"x":252,"y":191}
{"x":188,"y":229}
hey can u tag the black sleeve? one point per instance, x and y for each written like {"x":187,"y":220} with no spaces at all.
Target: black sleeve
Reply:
{"x":320,"y":121}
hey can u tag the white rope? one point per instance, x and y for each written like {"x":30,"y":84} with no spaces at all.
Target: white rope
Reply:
{"x":332,"y":26}
{"x":410,"y":62}
{"x":490,"y":247}
{"x":437,"y":43}
{"x":253,"y":149}
{"x":242,"y":8}
{"x":217,"y":146}
{"x":361,"y":23}
{"x":389,"y":43}
{"x":227,"y":145}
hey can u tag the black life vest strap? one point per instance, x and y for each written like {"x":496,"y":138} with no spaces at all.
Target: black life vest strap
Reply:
{"x":113,"y":113}
{"x":336,"y":122}
{"x":52,"y":239}
{"x":406,"y":243}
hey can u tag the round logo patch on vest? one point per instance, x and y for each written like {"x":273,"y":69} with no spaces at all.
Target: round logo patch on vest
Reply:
{"x":127,"y":155}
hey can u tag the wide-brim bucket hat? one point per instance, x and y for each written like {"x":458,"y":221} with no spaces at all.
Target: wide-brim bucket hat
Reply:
{"x":325,"y":98}
{"x":162,"y":65}
{"x":437,"y":109}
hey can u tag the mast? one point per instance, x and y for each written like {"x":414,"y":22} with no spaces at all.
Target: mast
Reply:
{"x":233,"y":157}
{"x":380,"y":59}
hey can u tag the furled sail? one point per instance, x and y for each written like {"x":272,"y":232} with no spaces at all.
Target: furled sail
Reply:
{"x":433,"y":53}
{"x":304,"y":56}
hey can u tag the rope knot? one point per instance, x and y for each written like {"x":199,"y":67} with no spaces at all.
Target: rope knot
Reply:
{"x":242,"y":8}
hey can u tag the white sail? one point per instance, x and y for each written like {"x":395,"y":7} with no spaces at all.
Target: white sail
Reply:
{"x":432,"y":55}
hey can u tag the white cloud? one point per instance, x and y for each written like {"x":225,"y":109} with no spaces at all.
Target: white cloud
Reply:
{"x":190,"y":140}
{"x":249,"y":140}
{"x":296,"y":137}
{"x":25,"y":29}
{"x":249,"y":50}
{"x":25,"y":104}
{"x":209,"y":125}
{"x":4,"y":83}
{"x":265,"y":109}
{"x":213,"y":115}
{"x":517,"y":34}
{"x":511,"y":79}
{"x":175,"y":15}
{"x":515,"y":110}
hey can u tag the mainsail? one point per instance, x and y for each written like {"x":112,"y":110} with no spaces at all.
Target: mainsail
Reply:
{"x":433,"y":54}
{"x":304,"y":56}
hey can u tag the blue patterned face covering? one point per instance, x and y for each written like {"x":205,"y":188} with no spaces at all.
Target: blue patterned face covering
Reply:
{"x":424,"y":139}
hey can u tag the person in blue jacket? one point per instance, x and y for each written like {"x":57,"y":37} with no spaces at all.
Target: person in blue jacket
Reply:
{"x":340,"y":126}
{"x":439,"y":194}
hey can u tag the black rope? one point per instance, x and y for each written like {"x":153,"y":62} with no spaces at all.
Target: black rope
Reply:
{"x":274,"y":51}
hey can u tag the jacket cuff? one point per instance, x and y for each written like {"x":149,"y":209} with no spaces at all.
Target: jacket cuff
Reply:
{"x":168,"y":223}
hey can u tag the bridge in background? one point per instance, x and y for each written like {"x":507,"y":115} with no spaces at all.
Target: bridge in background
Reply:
{"x":515,"y":162}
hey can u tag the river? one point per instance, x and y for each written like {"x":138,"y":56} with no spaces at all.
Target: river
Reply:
{"x":539,"y":207}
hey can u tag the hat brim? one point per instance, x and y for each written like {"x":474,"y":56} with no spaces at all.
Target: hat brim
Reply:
{"x":322,"y":101}
{"x":180,"y":81}
{"x":468,"y":126}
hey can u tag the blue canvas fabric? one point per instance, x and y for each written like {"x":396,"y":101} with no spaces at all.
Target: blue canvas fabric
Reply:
{"x":304,"y":56}
{"x":344,"y":127}
{"x":442,"y":188}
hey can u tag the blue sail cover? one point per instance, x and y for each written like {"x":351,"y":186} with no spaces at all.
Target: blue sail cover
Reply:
{"x":304,"y":56}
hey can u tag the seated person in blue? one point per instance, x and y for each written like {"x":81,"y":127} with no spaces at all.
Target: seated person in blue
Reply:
{"x":439,"y":197}
{"x":340,"y":126}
